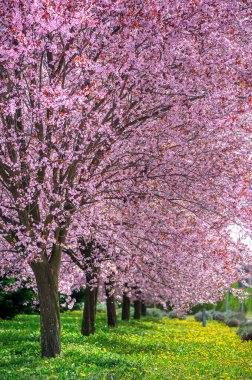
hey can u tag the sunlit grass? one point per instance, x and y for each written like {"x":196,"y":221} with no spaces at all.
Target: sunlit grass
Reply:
{"x":166,"y":349}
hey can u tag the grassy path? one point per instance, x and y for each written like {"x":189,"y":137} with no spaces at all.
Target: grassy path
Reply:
{"x":167,"y":349}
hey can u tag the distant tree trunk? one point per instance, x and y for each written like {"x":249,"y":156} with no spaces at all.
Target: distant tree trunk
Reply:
{"x":46,"y":274}
{"x":143,"y":309}
{"x":93,"y":304}
{"x":242,"y":306}
{"x":89,"y":311}
{"x":125,"y":307}
{"x":93,"y":318}
{"x":86,"y":326}
{"x":137,"y":309}
{"x":204,"y":318}
{"x":111,"y":306}
{"x":227,"y":301}
{"x":96,"y":295}
{"x":91,"y":291}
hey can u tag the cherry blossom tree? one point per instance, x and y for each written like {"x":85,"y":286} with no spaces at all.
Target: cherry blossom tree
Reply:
{"x":109,"y":108}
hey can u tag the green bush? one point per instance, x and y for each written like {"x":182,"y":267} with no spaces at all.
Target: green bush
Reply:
{"x":235,"y":315}
{"x":198,"y":316}
{"x":101,"y":307}
{"x":230,"y":318}
{"x":15,"y":302}
{"x":234,"y":318}
{"x":245,"y":332}
{"x":78,"y":306}
{"x":78,"y":295}
{"x":154,"y":313}
{"x":174,"y":314}
{"x":207,"y":306}
{"x":197,"y":308}
{"x":232,"y":322}
{"x":218,"y":316}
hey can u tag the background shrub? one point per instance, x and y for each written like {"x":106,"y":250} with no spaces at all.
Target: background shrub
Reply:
{"x":101,"y":307}
{"x":245,"y":332}
{"x":197,"y":308}
{"x":218,"y":316}
{"x":235,"y":315}
{"x":15,"y":302}
{"x":198,"y":316}
{"x":234,"y":318}
{"x":154,"y":313}
{"x":78,"y":306}
{"x":232,"y":322}
{"x":174,"y":314}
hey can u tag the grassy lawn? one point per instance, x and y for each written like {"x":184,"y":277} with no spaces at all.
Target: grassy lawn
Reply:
{"x":166,"y":349}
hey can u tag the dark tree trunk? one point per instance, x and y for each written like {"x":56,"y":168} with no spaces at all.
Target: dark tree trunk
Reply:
{"x":93,"y":303}
{"x":89,"y":311}
{"x":96,"y":296}
{"x":86,"y":325}
{"x":111,"y":306}
{"x":137,"y":309}
{"x":143,"y":309}
{"x":125,"y":307}
{"x":47,"y":282}
{"x":91,"y":291}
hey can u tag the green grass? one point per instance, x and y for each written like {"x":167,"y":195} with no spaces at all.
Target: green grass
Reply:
{"x":165,"y":349}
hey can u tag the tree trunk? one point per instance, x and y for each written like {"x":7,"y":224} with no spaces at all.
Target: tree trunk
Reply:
{"x":47,"y":282}
{"x":204,"y":318}
{"x":89,"y":311}
{"x":86,"y":326}
{"x":125,"y":307}
{"x":111,"y":306}
{"x":91,"y":291}
{"x":143,"y":309}
{"x":137,"y":309}
{"x":93,"y":303}
{"x":96,"y":296}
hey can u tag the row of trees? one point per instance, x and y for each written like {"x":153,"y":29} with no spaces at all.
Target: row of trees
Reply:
{"x":125,"y":145}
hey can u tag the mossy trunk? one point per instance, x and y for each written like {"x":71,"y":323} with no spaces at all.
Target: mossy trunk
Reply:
{"x":46,"y":276}
{"x":137,"y":309}
{"x":111,"y":305}
{"x":125,"y":307}
{"x":143,"y":309}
